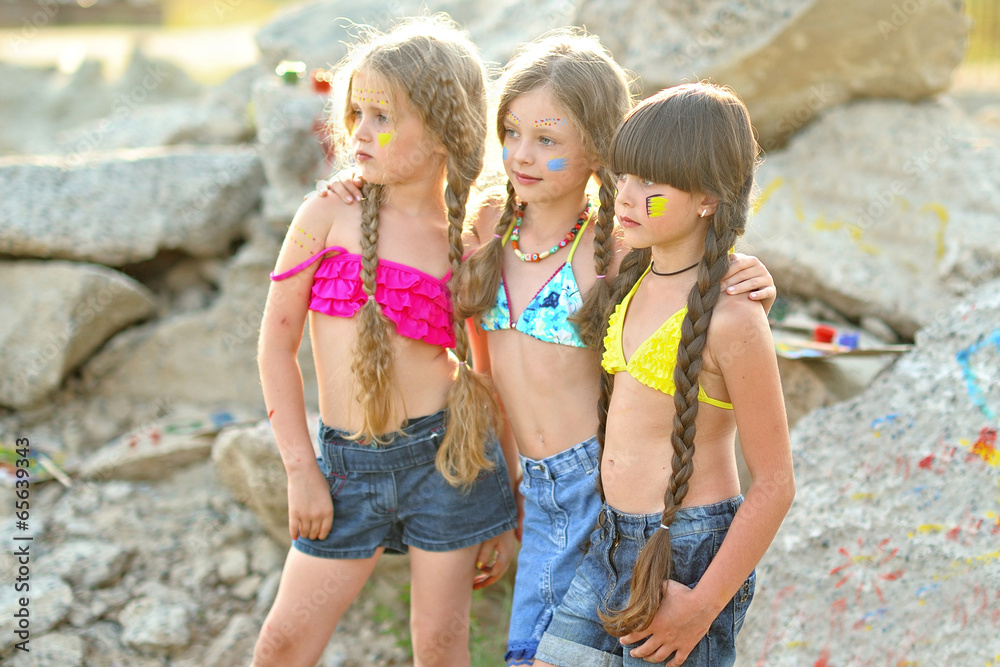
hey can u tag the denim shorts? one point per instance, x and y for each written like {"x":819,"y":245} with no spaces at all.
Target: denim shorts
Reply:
{"x":576,"y":637}
{"x":561,"y":506}
{"x":393,"y":496}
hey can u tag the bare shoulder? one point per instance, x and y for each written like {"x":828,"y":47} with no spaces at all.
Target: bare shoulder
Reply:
{"x":325,"y":219}
{"x":738,"y":324}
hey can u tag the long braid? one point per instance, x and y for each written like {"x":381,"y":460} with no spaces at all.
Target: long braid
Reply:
{"x":591,"y":319}
{"x":372,"y":362}
{"x":479,"y":279}
{"x":655,"y":562}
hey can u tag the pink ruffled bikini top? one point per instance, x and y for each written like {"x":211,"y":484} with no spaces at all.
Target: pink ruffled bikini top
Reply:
{"x":416,"y":302}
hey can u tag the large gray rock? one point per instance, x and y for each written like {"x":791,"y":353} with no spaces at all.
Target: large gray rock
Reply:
{"x":291,"y":121}
{"x":55,"y":315}
{"x":202,"y":358}
{"x":249,"y":465}
{"x":889,"y":553}
{"x":126,"y":206}
{"x":883,"y":209}
{"x":49,"y":601}
{"x":153,"y":625}
{"x":55,"y":649}
{"x":788,"y":59}
{"x":87,"y":563}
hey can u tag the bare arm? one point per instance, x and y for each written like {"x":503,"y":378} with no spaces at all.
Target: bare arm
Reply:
{"x":310,"y":509}
{"x":741,"y":345}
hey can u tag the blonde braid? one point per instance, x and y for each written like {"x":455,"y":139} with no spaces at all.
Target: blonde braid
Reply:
{"x":372,"y":360}
{"x":479,"y":280}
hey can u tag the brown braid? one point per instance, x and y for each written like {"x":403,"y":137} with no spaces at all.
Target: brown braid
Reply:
{"x":711,"y":150}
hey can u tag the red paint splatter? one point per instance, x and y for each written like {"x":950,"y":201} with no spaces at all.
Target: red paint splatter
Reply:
{"x":953,"y":533}
{"x":133,"y":442}
{"x":155,"y":437}
{"x":927,"y":462}
{"x":824,"y":659}
{"x":270,"y":414}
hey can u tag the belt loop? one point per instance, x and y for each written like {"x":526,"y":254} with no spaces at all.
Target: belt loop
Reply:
{"x":588,"y":462}
{"x":525,"y":476}
{"x":334,"y":456}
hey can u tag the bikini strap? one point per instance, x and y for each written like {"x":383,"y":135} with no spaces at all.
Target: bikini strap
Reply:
{"x":291,"y":272}
{"x":579,"y":235}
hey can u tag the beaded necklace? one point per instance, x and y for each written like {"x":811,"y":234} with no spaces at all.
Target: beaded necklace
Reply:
{"x":515,"y":234}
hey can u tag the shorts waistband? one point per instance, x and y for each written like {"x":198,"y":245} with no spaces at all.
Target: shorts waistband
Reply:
{"x":688,"y":520}
{"x":416,"y":444}
{"x":582,"y":456}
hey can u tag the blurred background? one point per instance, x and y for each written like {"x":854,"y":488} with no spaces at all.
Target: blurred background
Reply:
{"x":151,"y":158}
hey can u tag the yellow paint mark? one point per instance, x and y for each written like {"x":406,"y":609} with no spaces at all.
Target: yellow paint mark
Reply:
{"x":656,"y":205}
{"x":942,"y":213}
{"x":384,"y":138}
{"x":797,"y":644}
{"x":766,"y":194}
{"x":930,"y":528}
{"x":863,"y":496}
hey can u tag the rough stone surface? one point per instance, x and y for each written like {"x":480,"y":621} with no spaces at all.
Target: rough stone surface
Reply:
{"x":883,"y":209}
{"x":250,"y":466}
{"x":782,"y":57}
{"x":889,"y":553}
{"x":55,"y":649}
{"x":50,"y":600}
{"x":126,"y":206}
{"x":152,"y":626}
{"x":87,"y":563}
{"x":55,"y":315}
{"x":291,"y":120}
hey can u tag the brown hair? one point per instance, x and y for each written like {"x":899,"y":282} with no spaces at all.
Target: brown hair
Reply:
{"x":697,"y":138}
{"x":593,"y":90}
{"x":435,"y":66}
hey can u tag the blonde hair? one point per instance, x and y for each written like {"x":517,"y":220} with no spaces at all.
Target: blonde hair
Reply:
{"x":435,"y":66}
{"x":594,"y":92}
{"x":698,"y":138}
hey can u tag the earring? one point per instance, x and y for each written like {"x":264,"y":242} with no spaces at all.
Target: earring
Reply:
{"x":704,"y":212}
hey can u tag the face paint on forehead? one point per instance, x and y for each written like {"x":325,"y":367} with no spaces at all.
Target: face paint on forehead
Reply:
{"x":369,"y":95}
{"x":557,"y":163}
{"x":656,"y":206}
{"x":547,"y":122}
{"x":514,"y":119}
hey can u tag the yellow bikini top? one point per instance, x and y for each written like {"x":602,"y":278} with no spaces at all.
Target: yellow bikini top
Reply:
{"x":653,"y":362}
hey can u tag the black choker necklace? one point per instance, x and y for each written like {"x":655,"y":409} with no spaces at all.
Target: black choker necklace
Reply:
{"x":672,"y":273}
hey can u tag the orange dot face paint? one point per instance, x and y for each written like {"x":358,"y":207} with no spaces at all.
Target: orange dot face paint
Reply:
{"x":548,"y":122}
{"x":369,"y":95}
{"x":656,"y":206}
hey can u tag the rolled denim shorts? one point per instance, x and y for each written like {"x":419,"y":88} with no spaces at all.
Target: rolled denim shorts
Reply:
{"x":393,"y":496}
{"x":576,"y":637}
{"x":561,"y":506}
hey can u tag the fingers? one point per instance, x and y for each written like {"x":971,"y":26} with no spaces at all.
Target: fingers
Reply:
{"x":758,"y":288}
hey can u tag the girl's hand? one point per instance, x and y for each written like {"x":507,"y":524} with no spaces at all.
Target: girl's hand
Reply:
{"x":310,"y":507}
{"x":346,"y":184}
{"x":677,"y":627}
{"x":493,"y":559}
{"x":748,"y":274}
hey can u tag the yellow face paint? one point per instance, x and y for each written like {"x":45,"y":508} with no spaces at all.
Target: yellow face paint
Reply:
{"x":656,"y":206}
{"x":384,"y":138}
{"x":514,"y":119}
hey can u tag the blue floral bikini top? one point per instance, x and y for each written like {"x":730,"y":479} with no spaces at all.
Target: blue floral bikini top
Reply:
{"x":547,"y":315}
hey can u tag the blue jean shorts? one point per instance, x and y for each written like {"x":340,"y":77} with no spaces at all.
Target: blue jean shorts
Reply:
{"x":393,"y":496}
{"x":561,"y":506}
{"x":576,"y":637}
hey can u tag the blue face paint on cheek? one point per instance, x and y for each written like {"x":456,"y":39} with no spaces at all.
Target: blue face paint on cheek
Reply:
{"x":557,"y":164}
{"x":506,"y":153}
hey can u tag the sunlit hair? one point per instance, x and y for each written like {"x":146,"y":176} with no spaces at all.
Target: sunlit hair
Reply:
{"x":593,"y":91}
{"x":697,"y":138}
{"x":433,"y":66}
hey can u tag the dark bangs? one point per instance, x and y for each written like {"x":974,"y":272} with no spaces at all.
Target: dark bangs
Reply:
{"x":670,"y":134}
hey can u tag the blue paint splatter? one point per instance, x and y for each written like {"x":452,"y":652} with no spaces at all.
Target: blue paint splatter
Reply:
{"x":557,"y":164}
{"x":505,"y":153}
{"x":975,"y":391}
